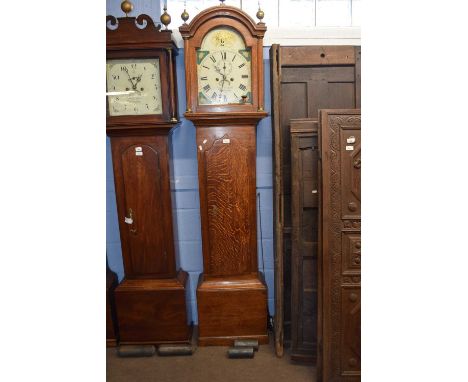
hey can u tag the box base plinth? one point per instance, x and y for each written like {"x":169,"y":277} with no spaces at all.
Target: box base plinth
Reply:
{"x":231,"y":308}
{"x":152,"y":311}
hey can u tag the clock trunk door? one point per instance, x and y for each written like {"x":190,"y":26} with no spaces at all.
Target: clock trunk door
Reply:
{"x":144,"y":211}
{"x":227,"y":181}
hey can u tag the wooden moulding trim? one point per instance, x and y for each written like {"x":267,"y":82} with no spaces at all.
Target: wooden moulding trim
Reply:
{"x":317,"y":55}
{"x":229,"y":341}
{"x":230,"y":286}
{"x":151,"y":284}
{"x":188,"y":30}
{"x":222,"y":119}
{"x":111,"y":343}
{"x":326,"y":112}
{"x":304,"y":125}
{"x":182,"y":277}
{"x":129,"y":33}
{"x":124,"y":130}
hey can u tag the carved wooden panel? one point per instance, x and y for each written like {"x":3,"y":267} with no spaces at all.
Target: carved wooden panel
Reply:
{"x":304,"y":80}
{"x":340,"y":317}
{"x":305,"y":239}
{"x":144,"y":206}
{"x":227,"y":182}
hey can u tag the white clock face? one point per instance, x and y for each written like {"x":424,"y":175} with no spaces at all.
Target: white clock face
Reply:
{"x":224,"y":69}
{"x":134,"y":87}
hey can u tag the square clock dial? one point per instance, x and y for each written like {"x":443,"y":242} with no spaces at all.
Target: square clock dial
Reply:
{"x":134,"y":87}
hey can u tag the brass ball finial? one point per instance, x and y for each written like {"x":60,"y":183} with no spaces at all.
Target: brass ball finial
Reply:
{"x":126,"y":7}
{"x":185,"y":16}
{"x":260,"y":14}
{"x":165,"y":17}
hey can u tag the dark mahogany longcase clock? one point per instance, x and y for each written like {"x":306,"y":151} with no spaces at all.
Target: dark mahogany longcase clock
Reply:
{"x":141,"y":111}
{"x":224,"y":80}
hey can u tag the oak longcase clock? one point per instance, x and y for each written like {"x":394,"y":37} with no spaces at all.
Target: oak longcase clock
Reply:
{"x":224,"y":85}
{"x":141,"y":111}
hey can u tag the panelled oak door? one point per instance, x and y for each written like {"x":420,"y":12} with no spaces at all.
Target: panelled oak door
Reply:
{"x":229,"y":207}
{"x":141,"y":112}
{"x":340,"y":318}
{"x":141,"y":175}
{"x":304,"y":79}
{"x":305,"y":238}
{"x":224,"y":77}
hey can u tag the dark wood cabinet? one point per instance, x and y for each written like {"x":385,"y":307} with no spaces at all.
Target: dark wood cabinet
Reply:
{"x":340,"y":312}
{"x":304,"y":79}
{"x":305,"y":238}
{"x":150,"y":300}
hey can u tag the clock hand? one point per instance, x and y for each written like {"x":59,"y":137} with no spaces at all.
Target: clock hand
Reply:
{"x":129,"y":78}
{"x":136,"y":83}
{"x":222,"y":85}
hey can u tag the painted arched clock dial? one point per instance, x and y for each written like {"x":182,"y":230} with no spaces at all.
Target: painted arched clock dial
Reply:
{"x":224,"y":69}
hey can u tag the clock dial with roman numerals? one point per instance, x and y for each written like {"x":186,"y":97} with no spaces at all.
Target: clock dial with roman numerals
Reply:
{"x":224,"y":69}
{"x":134,"y":87}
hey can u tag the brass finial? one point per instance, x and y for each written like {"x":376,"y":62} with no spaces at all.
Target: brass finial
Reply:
{"x":185,"y":16}
{"x":126,"y":7}
{"x":165,"y":17}
{"x":260,"y":14}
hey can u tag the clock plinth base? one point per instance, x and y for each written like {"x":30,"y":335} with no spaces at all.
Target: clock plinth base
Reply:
{"x":231,"y":308}
{"x":152,"y":311}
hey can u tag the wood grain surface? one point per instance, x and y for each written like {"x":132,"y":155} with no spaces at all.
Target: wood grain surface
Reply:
{"x":305,"y":239}
{"x":142,"y":186}
{"x":152,"y":310}
{"x":304,"y":80}
{"x":231,"y":296}
{"x":227,"y":173}
{"x":150,"y":301}
{"x":340,"y":310}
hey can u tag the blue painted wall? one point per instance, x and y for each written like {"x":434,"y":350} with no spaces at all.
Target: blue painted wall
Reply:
{"x":184,"y":187}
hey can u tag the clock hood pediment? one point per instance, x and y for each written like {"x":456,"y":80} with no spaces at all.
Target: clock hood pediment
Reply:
{"x":226,"y":12}
{"x":194,"y":33}
{"x":136,"y":33}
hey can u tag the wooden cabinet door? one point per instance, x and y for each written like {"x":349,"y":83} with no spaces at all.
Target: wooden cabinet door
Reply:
{"x":305,"y":238}
{"x":340,"y":318}
{"x":141,"y":174}
{"x":227,"y":199}
{"x":304,"y":79}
